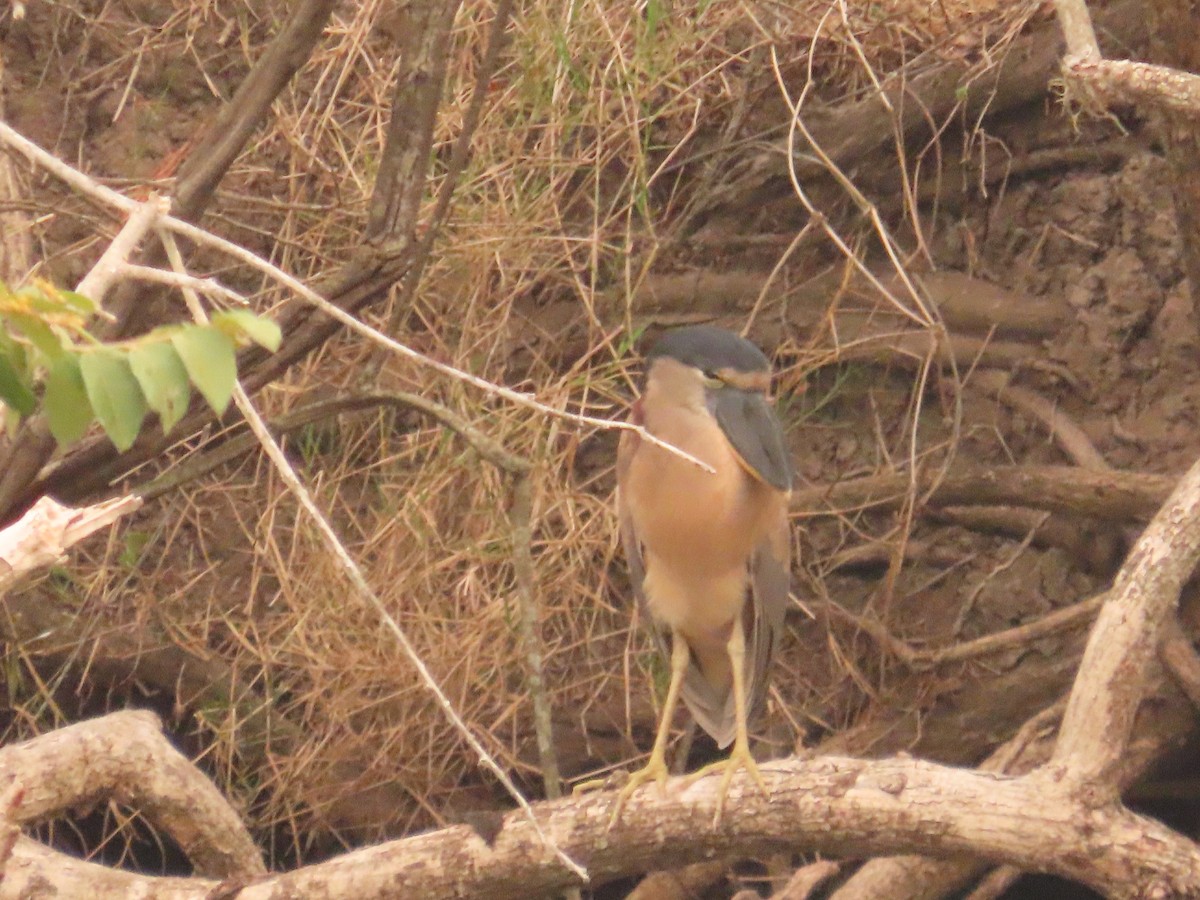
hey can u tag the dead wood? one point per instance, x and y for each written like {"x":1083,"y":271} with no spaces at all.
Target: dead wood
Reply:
{"x":957,"y":718}
{"x":122,"y":658}
{"x":449,"y":848}
{"x":1165,"y":723}
{"x":237,"y":120}
{"x":828,"y":805}
{"x":966,"y":304}
{"x":10,"y":829}
{"x":1094,"y":547}
{"x":1069,"y":436}
{"x":1116,"y":668}
{"x":400,"y":182}
{"x":1068,"y":618}
{"x":45,"y":532}
{"x":1090,"y":759}
{"x":26,"y":878}
{"x":27,"y":452}
{"x":1117,"y":496}
{"x":1170,"y":91}
{"x":24,"y":456}
{"x":679,"y":884}
{"x":124,"y":757}
{"x":807,"y":879}
{"x":1179,"y":656}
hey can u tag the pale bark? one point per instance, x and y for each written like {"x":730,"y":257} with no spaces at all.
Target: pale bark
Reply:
{"x":1115,"y":673}
{"x":125,"y":757}
{"x":41,"y":536}
{"x":830,"y":805}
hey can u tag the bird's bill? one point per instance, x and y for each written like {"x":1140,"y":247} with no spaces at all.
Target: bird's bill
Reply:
{"x":750,"y":424}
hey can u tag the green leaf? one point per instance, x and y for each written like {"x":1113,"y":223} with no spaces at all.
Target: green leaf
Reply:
{"x":164,"y":380}
{"x":207,"y":352}
{"x":114,"y":394}
{"x":76,"y":301}
{"x":38,"y":333}
{"x":13,"y":390}
{"x":241,"y":323}
{"x":11,"y":348}
{"x":68,"y":412}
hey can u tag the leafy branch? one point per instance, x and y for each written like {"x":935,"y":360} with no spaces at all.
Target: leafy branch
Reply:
{"x":45,"y":345}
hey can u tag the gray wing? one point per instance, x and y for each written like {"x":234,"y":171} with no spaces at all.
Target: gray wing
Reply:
{"x":770,"y":581}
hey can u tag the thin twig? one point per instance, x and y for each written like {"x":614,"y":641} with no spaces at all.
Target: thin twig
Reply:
{"x":108,"y":267}
{"x":1075,"y":616}
{"x":208,"y":286}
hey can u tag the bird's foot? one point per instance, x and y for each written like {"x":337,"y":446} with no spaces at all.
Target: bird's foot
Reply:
{"x":654,"y":770}
{"x":739,"y":758}
{"x":617,"y":778}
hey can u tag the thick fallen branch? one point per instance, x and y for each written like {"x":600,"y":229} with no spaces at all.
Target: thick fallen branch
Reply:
{"x":830,"y":805}
{"x":1116,"y":670}
{"x":1166,"y":724}
{"x":1102,"y":495}
{"x":124,"y":756}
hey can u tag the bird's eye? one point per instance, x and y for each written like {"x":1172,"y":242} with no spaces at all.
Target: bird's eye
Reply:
{"x":712,"y":379}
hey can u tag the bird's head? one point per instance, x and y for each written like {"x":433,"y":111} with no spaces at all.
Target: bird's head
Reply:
{"x":702,"y":367}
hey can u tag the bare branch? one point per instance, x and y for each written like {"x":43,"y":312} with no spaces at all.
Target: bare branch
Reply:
{"x":521,"y":516}
{"x":1077,"y":28}
{"x":1070,"y":437}
{"x":28,"y":455}
{"x":125,"y":756}
{"x":229,"y":131}
{"x":1115,"y":672}
{"x":108,"y":267}
{"x":1123,"y":81}
{"x":400,"y":180}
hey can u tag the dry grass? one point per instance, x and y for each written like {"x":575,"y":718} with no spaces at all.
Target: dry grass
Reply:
{"x":573,"y":187}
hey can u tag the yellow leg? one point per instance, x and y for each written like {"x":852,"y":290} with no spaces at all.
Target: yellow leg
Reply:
{"x":739,"y":756}
{"x":656,"y":767}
